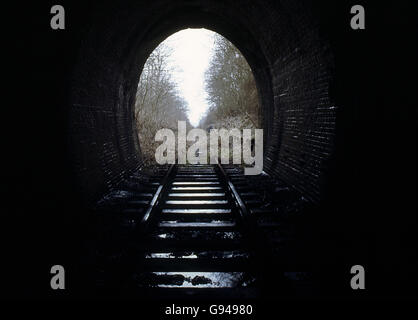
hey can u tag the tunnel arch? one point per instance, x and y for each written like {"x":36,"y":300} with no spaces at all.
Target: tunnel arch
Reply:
{"x":291,"y":63}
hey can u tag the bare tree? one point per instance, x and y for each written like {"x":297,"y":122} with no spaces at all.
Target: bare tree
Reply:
{"x":231,"y":88}
{"x":158,"y":103}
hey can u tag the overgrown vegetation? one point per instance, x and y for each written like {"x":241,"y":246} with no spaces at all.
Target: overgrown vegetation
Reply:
{"x":158,"y":102}
{"x":231,"y":88}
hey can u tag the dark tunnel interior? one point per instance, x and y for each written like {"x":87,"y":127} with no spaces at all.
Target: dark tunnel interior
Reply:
{"x":335,"y":130}
{"x":299,"y":67}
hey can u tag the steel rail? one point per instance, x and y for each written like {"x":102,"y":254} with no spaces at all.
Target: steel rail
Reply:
{"x":155,"y":199}
{"x":245,"y":215}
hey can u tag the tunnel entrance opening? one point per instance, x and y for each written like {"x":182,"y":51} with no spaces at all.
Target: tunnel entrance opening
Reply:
{"x":199,"y":78}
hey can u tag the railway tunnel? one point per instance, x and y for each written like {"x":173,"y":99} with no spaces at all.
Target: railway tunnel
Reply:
{"x":293,"y":67}
{"x":303,"y":59}
{"x":292,"y":64}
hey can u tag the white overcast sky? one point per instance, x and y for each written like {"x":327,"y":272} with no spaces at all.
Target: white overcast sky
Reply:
{"x":191,"y":53}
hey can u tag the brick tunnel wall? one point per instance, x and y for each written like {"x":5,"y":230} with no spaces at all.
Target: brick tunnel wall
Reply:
{"x":281,"y":40}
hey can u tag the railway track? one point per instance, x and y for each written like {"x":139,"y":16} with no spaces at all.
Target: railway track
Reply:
{"x":195,"y":231}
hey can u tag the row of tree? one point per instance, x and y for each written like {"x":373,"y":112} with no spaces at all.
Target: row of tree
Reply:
{"x":232,"y":93}
{"x":158,"y":102}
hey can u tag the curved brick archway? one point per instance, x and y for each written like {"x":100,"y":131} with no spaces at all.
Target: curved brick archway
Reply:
{"x":292,"y":65}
